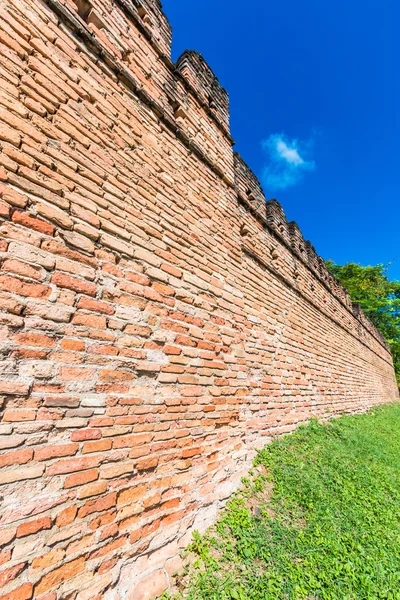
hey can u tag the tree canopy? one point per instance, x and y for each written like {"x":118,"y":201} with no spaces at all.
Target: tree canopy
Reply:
{"x":378,"y":296}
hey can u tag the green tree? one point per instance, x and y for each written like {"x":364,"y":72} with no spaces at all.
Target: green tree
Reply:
{"x":379,"y":298}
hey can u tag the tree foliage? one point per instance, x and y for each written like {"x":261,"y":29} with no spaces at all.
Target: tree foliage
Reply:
{"x":378,"y":296}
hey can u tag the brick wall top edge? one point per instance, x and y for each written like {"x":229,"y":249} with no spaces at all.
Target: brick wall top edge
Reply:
{"x":193,"y":67}
{"x":151,"y":19}
{"x":77,"y":24}
{"x":155,"y":28}
{"x":272,"y":214}
{"x":247,"y":183}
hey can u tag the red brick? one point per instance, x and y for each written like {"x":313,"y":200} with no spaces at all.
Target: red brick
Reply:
{"x":160,"y":319}
{"x":4,"y":210}
{"x":110,"y":375}
{"x":55,"y":247}
{"x":35,"y":339}
{"x":171,"y":270}
{"x":99,"y":446}
{"x":20,"y":268}
{"x":47,"y":560}
{"x":172,"y":350}
{"x":23,"y":288}
{"x":86,"y":434}
{"x":33,"y":527}
{"x":18,"y":457}
{"x":10,"y":574}
{"x":70,"y":465}
{"x":67,"y":516}
{"x":94,"y":489}
{"x":49,"y":452}
{"x":107,"y":548}
{"x":104,"y":503}
{"x":12,"y":196}
{"x":132,"y":494}
{"x":72,"y":283}
{"x":22,"y":218}
{"x":81,"y":478}
{"x":24,"y":592}
{"x":18,"y":415}
{"x":89,"y":320}
{"x":5,"y":555}
{"x":75,"y":345}
{"x":57,"y":576}
{"x":14,"y":388}
{"x":95,"y":306}
{"x":75,"y":374}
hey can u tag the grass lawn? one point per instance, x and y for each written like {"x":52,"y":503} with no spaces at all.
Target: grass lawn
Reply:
{"x":319,"y":518}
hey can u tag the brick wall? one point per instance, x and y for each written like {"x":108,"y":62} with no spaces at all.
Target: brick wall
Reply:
{"x":159,"y":321}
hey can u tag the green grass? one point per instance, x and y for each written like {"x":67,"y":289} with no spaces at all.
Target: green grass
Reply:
{"x":319,"y":519}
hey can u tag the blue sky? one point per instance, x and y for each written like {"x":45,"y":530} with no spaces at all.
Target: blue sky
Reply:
{"x":315,"y":110}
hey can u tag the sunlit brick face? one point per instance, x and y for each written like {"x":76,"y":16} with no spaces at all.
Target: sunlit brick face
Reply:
{"x":159,"y":322}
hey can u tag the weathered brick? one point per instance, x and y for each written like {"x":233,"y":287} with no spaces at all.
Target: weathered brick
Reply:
{"x":4,"y":210}
{"x":81,"y":478}
{"x":20,"y":268}
{"x":72,"y":283}
{"x":26,"y":220}
{"x":94,"y":489}
{"x":99,"y":505}
{"x":67,"y":516}
{"x":18,"y":457}
{"x":57,"y":576}
{"x":150,"y":586}
{"x":160,"y":320}
{"x":22,"y":288}
{"x":23,"y":592}
{"x":86,"y":434}
{"x":95,"y":306}
{"x":76,"y":374}
{"x":47,"y":560}
{"x":8,"y":575}
{"x":59,"y":451}
{"x":35,"y":339}
{"x":72,"y":465}
{"x":9,"y":134}
{"x":31,"y":254}
{"x":14,"y":388}
{"x":55,"y":215}
{"x":33,"y":527}
{"x":11,"y":441}
{"x":132,"y":494}
{"x":12,"y":196}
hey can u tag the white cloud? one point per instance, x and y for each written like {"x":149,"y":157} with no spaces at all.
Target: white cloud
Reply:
{"x":287,"y":161}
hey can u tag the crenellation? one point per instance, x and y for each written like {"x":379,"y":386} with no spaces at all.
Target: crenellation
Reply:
{"x":297,"y":241}
{"x":150,"y":20}
{"x":323,"y":271}
{"x":312,"y":257}
{"x":157,"y":315}
{"x":192,"y":66}
{"x":276,"y":219}
{"x":247,"y":185}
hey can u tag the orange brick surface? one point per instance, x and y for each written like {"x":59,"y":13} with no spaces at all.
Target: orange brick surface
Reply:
{"x":159,"y":321}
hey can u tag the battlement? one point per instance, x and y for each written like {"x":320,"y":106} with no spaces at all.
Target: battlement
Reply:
{"x":297,"y":241}
{"x":192,"y":66}
{"x":147,"y":16}
{"x":160,"y":320}
{"x":247,"y":185}
{"x":272,"y":214}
